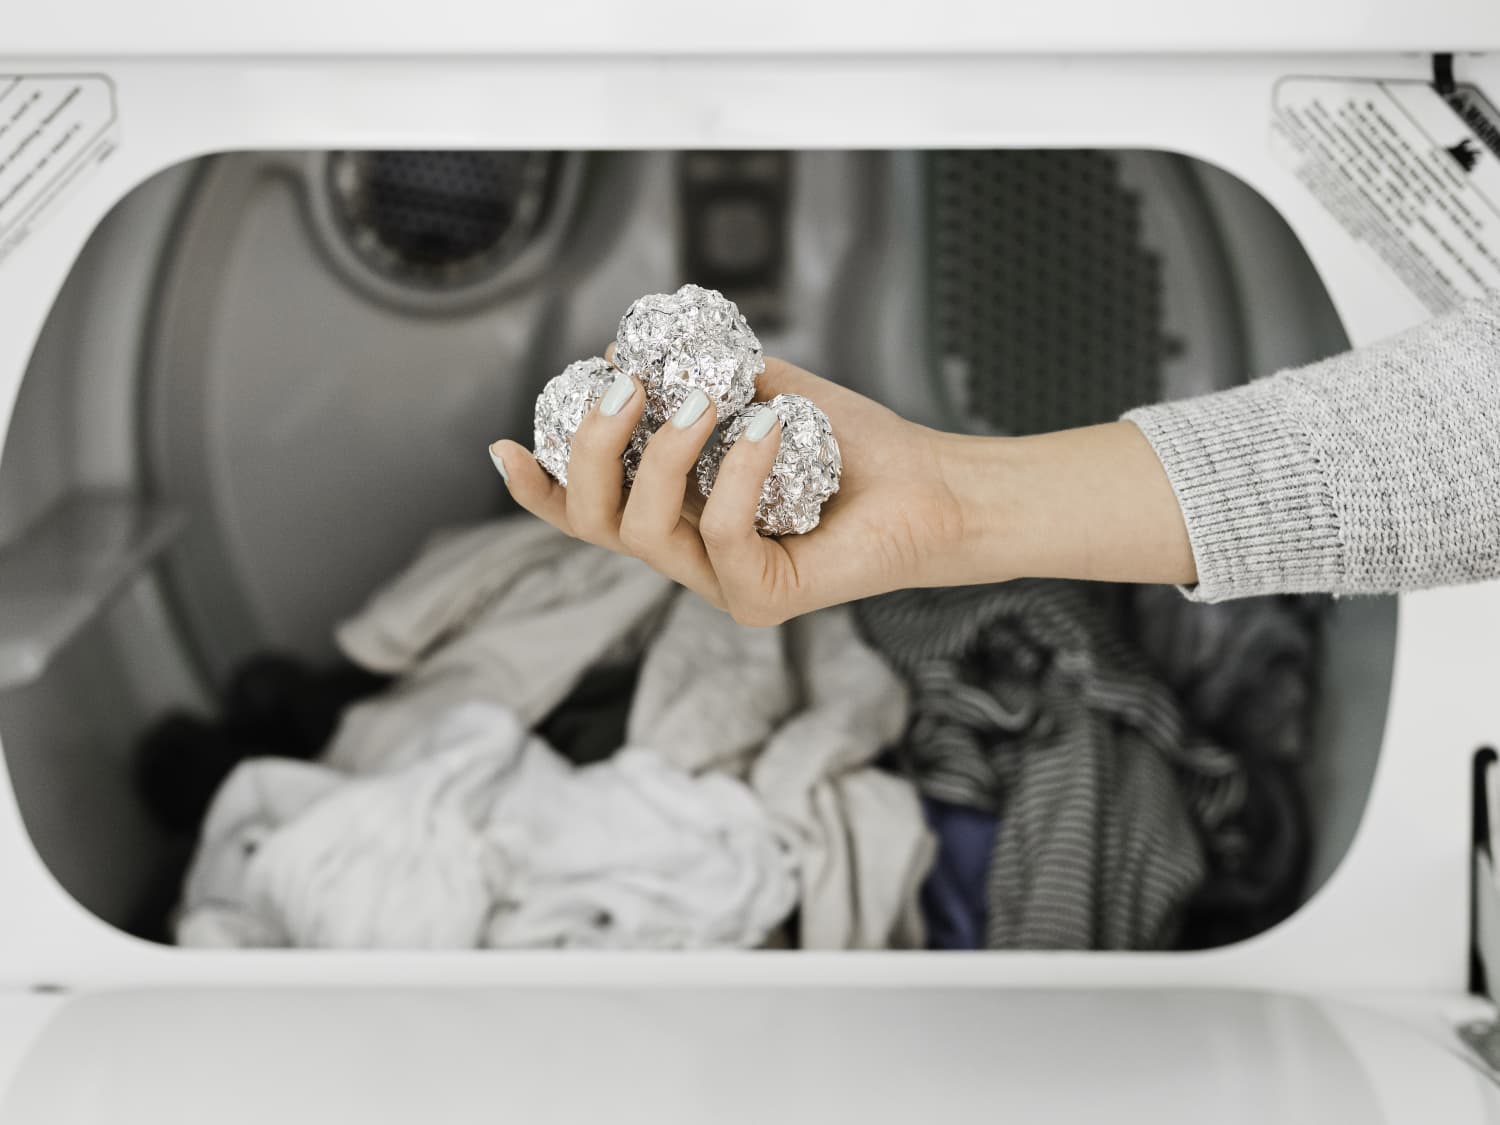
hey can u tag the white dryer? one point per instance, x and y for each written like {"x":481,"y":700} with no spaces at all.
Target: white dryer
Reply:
{"x":254,"y":335}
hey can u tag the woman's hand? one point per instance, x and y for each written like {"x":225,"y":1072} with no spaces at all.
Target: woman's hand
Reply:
{"x":892,"y":523}
{"x":915,"y":507}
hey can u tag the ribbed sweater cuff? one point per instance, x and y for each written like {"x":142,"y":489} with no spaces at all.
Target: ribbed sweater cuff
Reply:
{"x":1253,"y":490}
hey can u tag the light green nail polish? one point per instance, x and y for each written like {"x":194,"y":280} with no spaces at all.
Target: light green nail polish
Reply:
{"x":691,"y":410}
{"x":499,"y":465}
{"x":617,"y":396}
{"x":761,"y":424}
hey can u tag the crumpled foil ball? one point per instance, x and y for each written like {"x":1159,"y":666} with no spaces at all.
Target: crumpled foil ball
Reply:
{"x":693,"y":338}
{"x":560,"y":409}
{"x":804,"y":475}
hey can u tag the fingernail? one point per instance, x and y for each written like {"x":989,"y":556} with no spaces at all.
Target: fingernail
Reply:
{"x":617,"y":396}
{"x":499,"y":463}
{"x":761,"y":424}
{"x":691,"y":410}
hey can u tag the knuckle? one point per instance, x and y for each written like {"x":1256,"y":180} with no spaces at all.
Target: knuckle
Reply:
{"x":715,"y":530}
{"x":591,"y":528}
{"x":584,"y":443}
{"x":648,"y":474}
{"x":753,"y":605}
{"x":527,"y":502}
{"x":600,"y":435}
{"x":667,"y":451}
{"x":755,"y":613}
{"x":636,"y":539}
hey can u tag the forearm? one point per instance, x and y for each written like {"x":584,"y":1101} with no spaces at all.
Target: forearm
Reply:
{"x":1370,"y":472}
{"x":1374,"y":471}
{"x":1091,"y":503}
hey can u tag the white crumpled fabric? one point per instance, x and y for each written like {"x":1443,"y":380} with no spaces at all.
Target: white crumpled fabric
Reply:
{"x":489,"y":839}
{"x":746,"y":786}
{"x":511,"y":612}
{"x":801,"y":712}
{"x":863,"y":842}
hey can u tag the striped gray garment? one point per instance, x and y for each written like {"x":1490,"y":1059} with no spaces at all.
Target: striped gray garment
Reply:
{"x":1245,"y":671}
{"x":1027,"y":702}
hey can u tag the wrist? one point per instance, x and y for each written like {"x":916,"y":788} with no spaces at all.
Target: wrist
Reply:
{"x":1091,"y":503}
{"x":985,"y":478}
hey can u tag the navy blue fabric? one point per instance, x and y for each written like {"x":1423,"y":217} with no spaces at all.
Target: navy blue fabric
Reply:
{"x":953,"y":897}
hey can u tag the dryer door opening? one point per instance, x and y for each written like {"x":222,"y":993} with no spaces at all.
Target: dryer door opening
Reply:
{"x":271,"y":375}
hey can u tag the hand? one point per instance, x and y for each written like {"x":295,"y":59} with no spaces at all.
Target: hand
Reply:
{"x":915,"y":507}
{"x":896,"y":520}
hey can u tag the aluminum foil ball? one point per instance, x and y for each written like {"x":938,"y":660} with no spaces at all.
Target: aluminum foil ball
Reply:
{"x":560,"y":409}
{"x":805,"y":473}
{"x":696,"y":337}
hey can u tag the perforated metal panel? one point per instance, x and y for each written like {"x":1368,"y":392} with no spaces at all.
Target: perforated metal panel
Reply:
{"x":1046,"y":301}
{"x":439,"y":219}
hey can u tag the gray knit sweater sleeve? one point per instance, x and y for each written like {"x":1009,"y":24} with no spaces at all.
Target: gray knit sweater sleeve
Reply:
{"x":1371,"y":472}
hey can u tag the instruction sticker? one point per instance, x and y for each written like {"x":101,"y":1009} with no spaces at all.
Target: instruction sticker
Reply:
{"x":54,"y":128}
{"x":1410,"y":174}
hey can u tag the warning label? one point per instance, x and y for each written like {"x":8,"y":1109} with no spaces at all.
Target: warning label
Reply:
{"x":53,"y":129}
{"x":1406,"y":172}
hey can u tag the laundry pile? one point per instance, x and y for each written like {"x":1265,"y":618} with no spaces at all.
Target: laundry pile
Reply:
{"x":273,"y":706}
{"x":1089,"y":793}
{"x":540,"y":744}
{"x":1246,"y":675}
{"x":742,"y":792}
